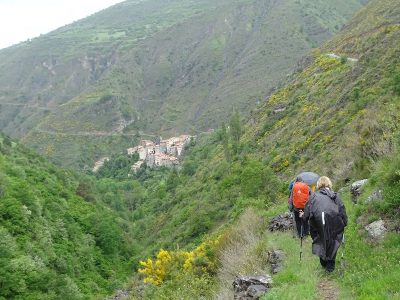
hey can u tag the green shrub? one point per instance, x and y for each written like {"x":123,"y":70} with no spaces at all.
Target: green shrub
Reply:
{"x":396,"y":84}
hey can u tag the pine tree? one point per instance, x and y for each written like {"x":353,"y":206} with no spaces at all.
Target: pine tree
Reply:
{"x":235,"y":131}
{"x":225,"y":142}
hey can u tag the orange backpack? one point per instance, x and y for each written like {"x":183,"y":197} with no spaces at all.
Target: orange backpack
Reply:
{"x":300,"y":195}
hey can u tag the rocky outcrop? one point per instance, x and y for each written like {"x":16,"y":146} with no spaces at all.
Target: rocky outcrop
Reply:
{"x":279,"y":109}
{"x":376,"y":196}
{"x":120,"y":295}
{"x":376,"y":230}
{"x":275,"y":259}
{"x":356,"y":189}
{"x":100,"y":163}
{"x":283,"y":222}
{"x":251,"y":287}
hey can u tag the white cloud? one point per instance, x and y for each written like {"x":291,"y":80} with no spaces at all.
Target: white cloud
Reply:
{"x":23,"y":19}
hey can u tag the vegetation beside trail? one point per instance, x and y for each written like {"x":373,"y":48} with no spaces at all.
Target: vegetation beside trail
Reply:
{"x":367,"y":270}
{"x":371,"y":271}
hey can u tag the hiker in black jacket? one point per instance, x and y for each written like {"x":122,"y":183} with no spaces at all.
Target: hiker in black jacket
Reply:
{"x":327,"y":216}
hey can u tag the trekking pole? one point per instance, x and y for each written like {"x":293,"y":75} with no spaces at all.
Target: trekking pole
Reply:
{"x":294,"y":225}
{"x":342,"y":247}
{"x":342,"y":257}
{"x":301,"y":240}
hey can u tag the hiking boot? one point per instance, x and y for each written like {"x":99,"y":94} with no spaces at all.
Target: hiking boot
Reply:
{"x":329,"y":270}
{"x":322,"y":262}
{"x":330,"y":266}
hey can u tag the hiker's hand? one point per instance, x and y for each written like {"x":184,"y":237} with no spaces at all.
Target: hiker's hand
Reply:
{"x":301,"y":213}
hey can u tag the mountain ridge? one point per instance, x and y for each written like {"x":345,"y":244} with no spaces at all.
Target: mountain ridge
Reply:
{"x":170,"y":71}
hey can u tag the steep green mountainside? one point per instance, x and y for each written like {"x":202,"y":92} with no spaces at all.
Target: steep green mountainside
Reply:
{"x":339,"y":117}
{"x":56,"y":238}
{"x":154,"y":67}
{"x":341,"y":113}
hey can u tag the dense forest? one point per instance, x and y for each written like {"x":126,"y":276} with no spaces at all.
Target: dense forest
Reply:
{"x":56,"y":237}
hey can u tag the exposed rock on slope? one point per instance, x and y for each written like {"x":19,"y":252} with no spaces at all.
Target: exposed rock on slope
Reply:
{"x":251,"y":287}
{"x":283,"y":222}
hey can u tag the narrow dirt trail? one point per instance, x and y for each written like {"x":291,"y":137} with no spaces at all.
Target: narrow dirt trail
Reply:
{"x":328,"y":290}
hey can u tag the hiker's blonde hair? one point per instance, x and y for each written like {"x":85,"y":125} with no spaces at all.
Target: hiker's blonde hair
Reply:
{"x":324,"y":182}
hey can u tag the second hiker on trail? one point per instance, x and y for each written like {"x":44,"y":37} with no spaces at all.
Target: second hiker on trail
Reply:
{"x":297,"y":201}
{"x":301,"y":190}
{"x":327,"y":216}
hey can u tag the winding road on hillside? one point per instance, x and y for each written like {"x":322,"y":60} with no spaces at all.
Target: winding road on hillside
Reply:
{"x":84,"y":133}
{"x":27,"y":106}
{"x":92,"y":133}
{"x":340,"y":57}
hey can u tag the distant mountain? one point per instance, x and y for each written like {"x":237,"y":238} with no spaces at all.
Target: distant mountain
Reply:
{"x":154,"y":67}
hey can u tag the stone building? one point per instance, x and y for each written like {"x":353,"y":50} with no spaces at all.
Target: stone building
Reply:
{"x":98,"y":164}
{"x":165,"y":153}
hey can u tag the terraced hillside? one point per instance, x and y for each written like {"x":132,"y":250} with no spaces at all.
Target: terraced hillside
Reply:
{"x":154,"y":67}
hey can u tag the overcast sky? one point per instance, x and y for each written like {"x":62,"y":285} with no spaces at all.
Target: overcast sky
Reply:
{"x":23,"y":19}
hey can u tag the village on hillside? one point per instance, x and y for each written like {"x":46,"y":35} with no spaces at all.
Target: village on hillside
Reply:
{"x":163,"y":153}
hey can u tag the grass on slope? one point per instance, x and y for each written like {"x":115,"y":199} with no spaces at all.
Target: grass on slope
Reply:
{"x":371,"y":269}
{"x":297,"y":280}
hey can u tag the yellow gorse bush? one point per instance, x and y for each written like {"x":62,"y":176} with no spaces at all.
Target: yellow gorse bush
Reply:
{"x":172,"y":263}
{"x":202,"y":259}
{"x":156,"y":271}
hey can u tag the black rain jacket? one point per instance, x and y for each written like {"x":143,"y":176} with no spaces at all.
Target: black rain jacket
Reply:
{"x":327,"y":216}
